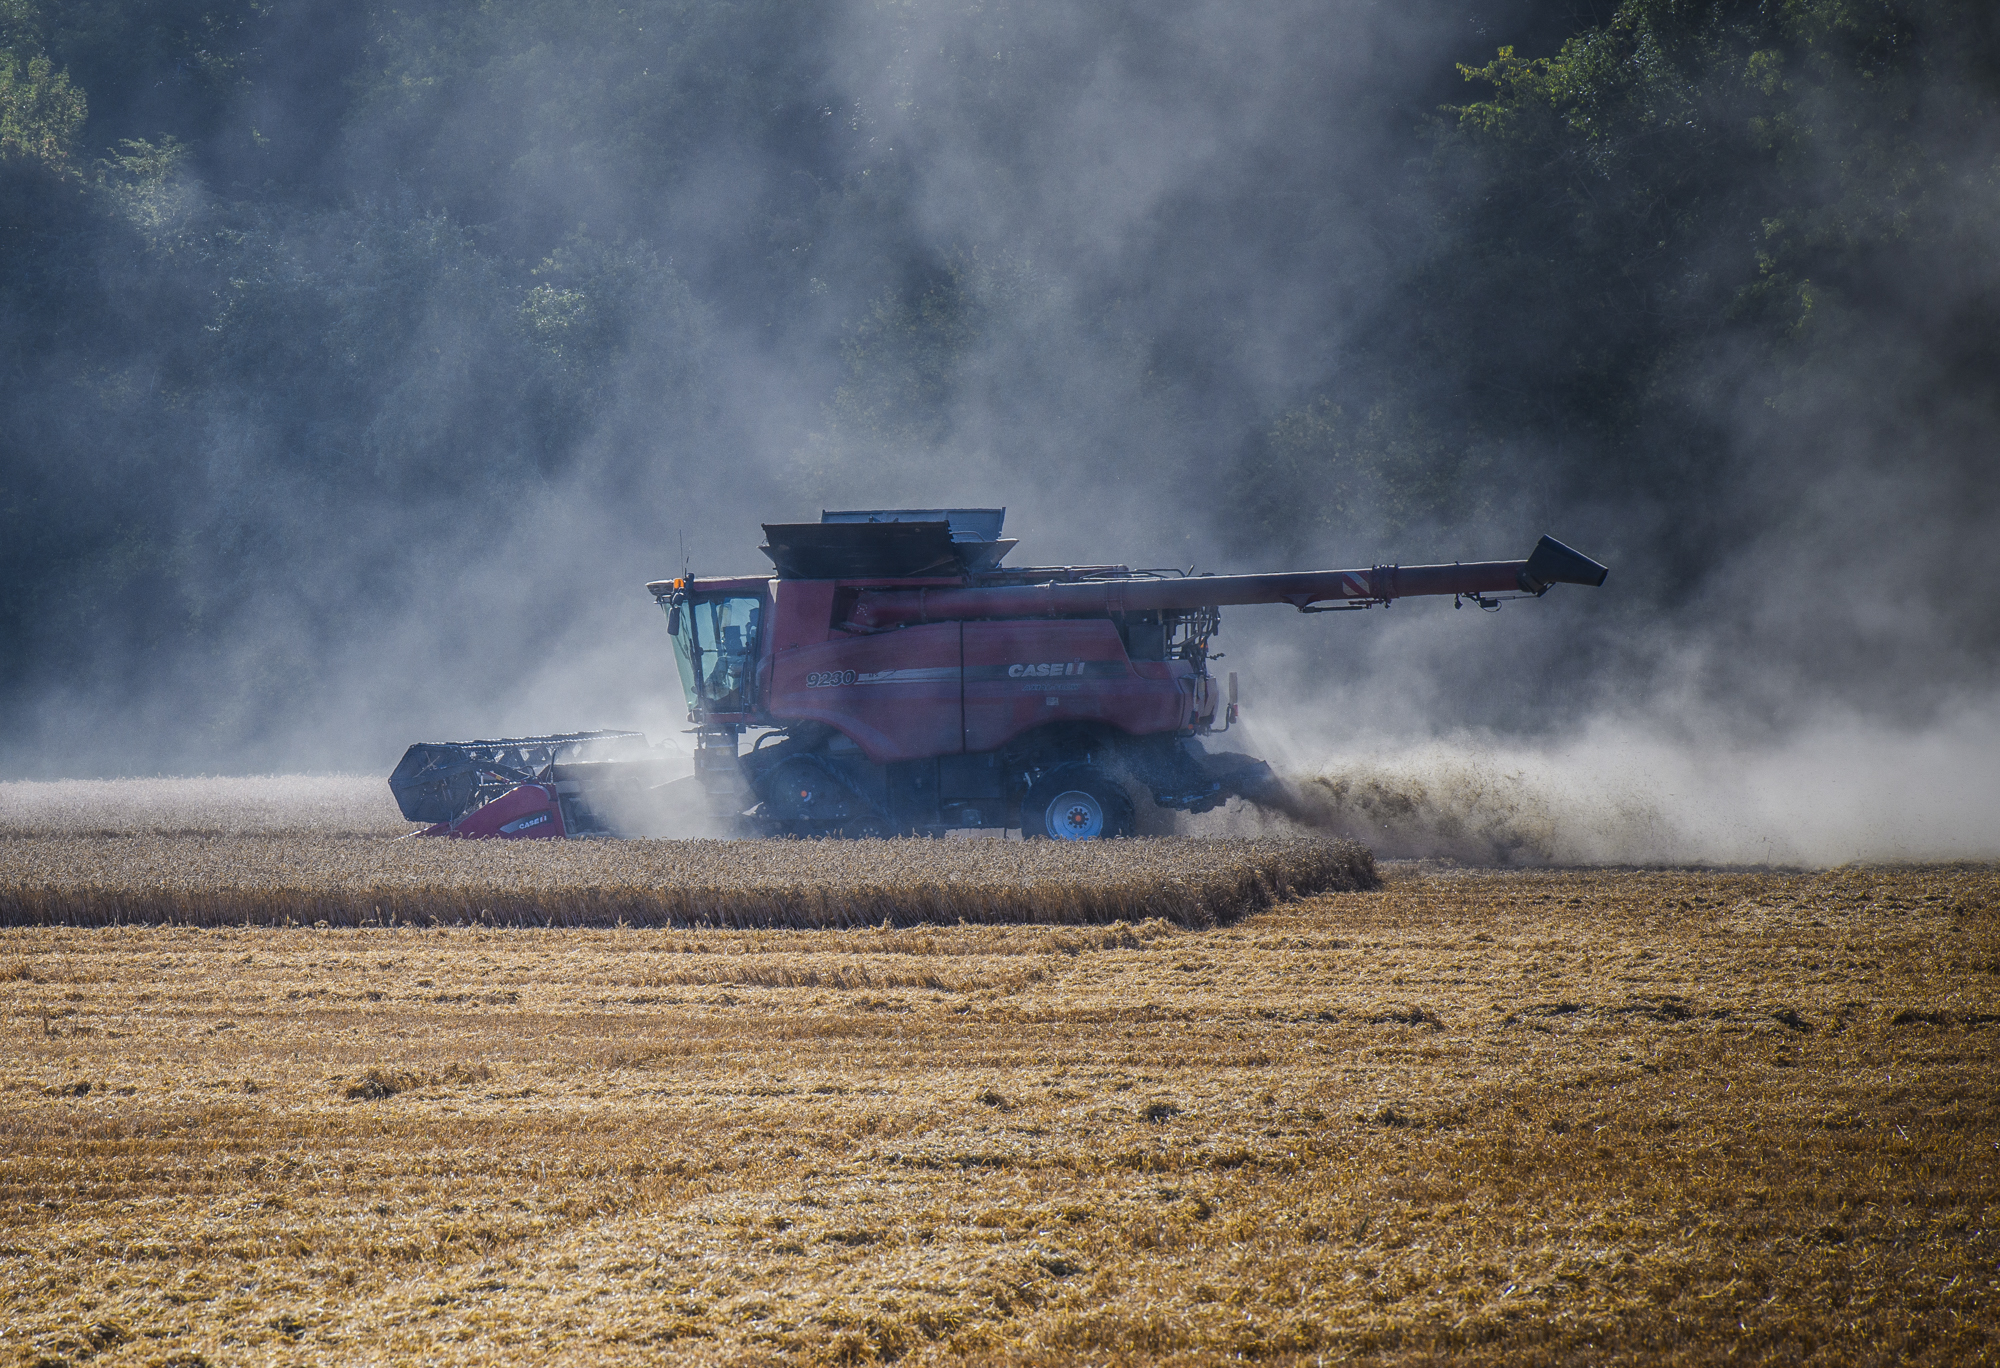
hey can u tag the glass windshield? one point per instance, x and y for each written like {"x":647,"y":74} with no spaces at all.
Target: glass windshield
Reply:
{"x":715,"y":646}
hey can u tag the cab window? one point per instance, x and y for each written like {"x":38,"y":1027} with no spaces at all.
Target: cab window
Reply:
{"x":715,"y":646}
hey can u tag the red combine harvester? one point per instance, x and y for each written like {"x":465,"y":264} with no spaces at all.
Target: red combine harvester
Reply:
{"x":905,"y":682}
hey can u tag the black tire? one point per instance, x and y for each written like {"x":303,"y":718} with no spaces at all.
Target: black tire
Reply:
{"x":1076,"y":803}
{"x":801,"y":797}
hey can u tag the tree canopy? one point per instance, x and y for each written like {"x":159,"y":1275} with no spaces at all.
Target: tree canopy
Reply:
{"x":324,"y":325}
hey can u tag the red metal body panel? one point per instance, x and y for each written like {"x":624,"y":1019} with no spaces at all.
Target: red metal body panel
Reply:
{"x":801,"y":614}
{"x":527,"y":813}
{"x":897,"y":695}
{"x":940,"y":688}
{"x":1022,"y":675}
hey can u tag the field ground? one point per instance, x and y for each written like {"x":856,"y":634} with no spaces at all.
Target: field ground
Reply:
{"x":1562,"y":1117}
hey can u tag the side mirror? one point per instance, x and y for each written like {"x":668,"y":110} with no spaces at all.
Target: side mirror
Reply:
{"x":674,"y":620}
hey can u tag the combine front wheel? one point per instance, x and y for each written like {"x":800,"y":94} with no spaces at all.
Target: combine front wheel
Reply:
{"x":1076,"y":803}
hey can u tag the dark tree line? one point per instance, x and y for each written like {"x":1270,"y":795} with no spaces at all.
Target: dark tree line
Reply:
{"x":304,"y":303}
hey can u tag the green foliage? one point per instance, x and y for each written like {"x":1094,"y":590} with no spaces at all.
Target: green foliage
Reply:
{"x":488,"y":103}
{"x":1694,"y":180}
{"x":975,"y":377}
{"x":1797,"y":132}
{"x":1328,"y":478}
{"x":202,"y":53}
{"x":145,"y":184}
{"x":40,"y":111}
{"x":892,"y":413}
{"x":604,"y":315}
{"x":905,"y":357}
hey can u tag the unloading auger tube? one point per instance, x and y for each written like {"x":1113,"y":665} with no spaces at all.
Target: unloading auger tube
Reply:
{"x":1311,"y":591}
{"x":902,"y":681}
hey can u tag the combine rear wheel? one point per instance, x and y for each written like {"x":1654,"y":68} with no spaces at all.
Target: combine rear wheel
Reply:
{"x":1076,"y":803}
{"x":802,"y":797}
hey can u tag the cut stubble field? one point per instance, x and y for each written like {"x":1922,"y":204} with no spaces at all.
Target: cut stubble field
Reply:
{"x":1520,"y":1117}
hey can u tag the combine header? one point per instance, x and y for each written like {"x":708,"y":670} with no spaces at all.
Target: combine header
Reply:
{"x":902,"y":681}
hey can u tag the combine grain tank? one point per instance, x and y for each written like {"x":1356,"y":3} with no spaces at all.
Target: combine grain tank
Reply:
{"x":902,"y":680}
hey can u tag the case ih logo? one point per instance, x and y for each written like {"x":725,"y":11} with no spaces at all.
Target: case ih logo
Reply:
{"x":1059,"y":667}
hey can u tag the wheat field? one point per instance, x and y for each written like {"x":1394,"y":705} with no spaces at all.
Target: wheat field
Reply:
{"x":1551,"y":1117}
{"x":302,"y":850}
{"x":110,"y":879}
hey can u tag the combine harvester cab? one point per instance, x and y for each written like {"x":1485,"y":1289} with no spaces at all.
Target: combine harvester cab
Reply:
{"x":903,"y":681}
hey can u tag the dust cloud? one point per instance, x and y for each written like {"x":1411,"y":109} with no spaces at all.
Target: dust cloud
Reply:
{"x":294,"y":804}
{"x":378,"y":441}
{"x":1632,"y":791}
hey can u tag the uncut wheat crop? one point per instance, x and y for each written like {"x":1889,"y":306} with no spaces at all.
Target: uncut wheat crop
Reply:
{"x":290,"y":850}
{"x":351,"y":881}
